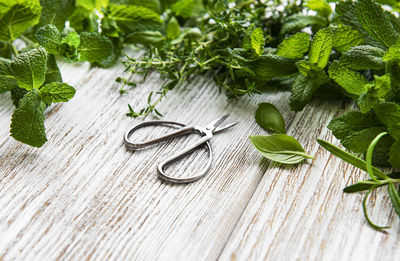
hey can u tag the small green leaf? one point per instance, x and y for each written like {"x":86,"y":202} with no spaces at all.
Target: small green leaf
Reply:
{"x":351,"y":81}
{"x":394,"y":197}
{"x":345,"y":37}
{"x":299,"y":21}
{"x":394,"y":131}
{"x":56,"y":12}
{"x":320,"y":6}
{"x":49,"y":37}
{"x":183,"y":8}
{"x":257,"y":41}
{"x":321,"y":47}
{"x":173,"y":29}
{"x":69,"y":47}
{"x":18,"y":19}
{"x":29,"y":69}
{"x":56,"y":92}
{"x":280,"y":148}
{"x":295,"y":46}
{"x":353,"y":160}
{"x":363,"y":57}
{"x":27,"y":123}
{"x":93,"y":4}
{"x":359,"y":141}
{"x":393,"y":53}
{"x":17,"y":94}
{"x":53,"y":73}
{"x":269,"y":118}
{"x":268,"y":66}
{"x":95,"y":47}
{"x":367,"y":184}
{"x":388,"y":113}
{"x":7,"y":80}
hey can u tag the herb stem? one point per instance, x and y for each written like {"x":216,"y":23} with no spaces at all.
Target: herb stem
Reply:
{"x":14,"y":49}
{"x":28,"y":41}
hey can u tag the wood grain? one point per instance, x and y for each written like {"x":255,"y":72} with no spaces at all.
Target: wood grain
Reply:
{"x":84,"y":196}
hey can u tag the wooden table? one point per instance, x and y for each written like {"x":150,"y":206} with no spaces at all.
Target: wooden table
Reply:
{"x":84,"y":196}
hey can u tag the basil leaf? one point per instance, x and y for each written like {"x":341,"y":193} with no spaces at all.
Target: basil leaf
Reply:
{"x":268,"y":117}
{"x":280,"y":148}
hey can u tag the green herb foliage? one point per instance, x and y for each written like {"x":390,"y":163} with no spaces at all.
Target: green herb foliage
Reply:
{"x":269,"y":118}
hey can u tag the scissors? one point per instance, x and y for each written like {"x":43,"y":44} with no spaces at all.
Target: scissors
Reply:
{"x":206,"y":132}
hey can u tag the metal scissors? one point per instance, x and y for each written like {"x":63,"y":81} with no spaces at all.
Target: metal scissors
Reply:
{"x":206,"y":132}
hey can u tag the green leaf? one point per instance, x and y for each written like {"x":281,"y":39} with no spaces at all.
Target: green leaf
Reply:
{"x":49,"y":37}
{"x":351,"y":81}
{"x":83,"y":20}
{"x":27,"y":123}
{"x":394,"y":131}
{"x":269,"y":118}
{"x":388,"y":113}
{"x":299,"y":21}
{"x":95,"y":47}
{"x":144,"y":37}
{"x":394,"y":197}
{"x":345,"y":37}
{"x":173,"y":29}
{"x":295,"y":46}
{"x":92,"y":4}
{"x":132,"y":18}
{"x":257,"y":41}
{"x":379,"y":89}
{"x":18,"y":19}
{"x":7,"y":80}
{"x":270,"y":65}
{"x":69,"y":47}
{"x":17,"y":94}
{"x":53,"y":72}
{"x":321,"y":47}
{"x":353,"y":160}
{"x":363,"y":57}
{"x":56,"y":92}
{"x":183,"y":8}
{"x":304,"y":87}
{"x":280,"y":148}
{"x":374,"y":21}
{"x":394,"y":155}
{"x":366,"y":102}
{"x":367,"y":184}
{"x":56,"y":12}
{"x":304,"y":67}
{"x":393,"y":53}
{"x":29,"y":69}
{"x":154,"y":5}
{"x":359,"y":141}
{"x":320,"y":6}
{"x":352,"y":121}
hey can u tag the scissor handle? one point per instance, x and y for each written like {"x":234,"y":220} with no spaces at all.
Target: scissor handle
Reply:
{"x":162,"y":175}
{"x":186,"y":129}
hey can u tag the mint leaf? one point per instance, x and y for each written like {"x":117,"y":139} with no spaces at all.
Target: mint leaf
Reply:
{"x":56,"y":12}
{"x":93,"y":4}
{"x":366,"y":101}
{"x":359,"y":141}
{"x":394,"y":155}
{"x":131,"y":18}
{"x":83,"y":20}
{"x":29,"y":69}
{"x":49,"y":37}
{"x":295,"y":46}
{"x":351,"y":81}
{"x":53,"y":72}
{"x":394,"y":52}
{"x":388,"y":113}
{"x":269,"y":118}
{"x":320,"y":6}
{"x":257,"y":41}
{"x":344,"y":37}
{"x":280,"y":148}
{"x":394,"y":131}
{"x":304,"y":87}
{"x":376,"y":92}
{"x":374,"y":21}
{"x":321,"y":47}
{"x":363,"y":57}
{"x":7,"y":81}
{"x":269,"y":65}
{"x":173,"y":29}
{"x":352,"y":121}
{"x":95,"y":47}
{"x":27,"y":123}
{"x":18,"y":19}
{"x":56,"y":92}
{"x":69,"y":47}
{"x":183,"y":8}
{"x":17,"y":94}
{"x":298,"y":21}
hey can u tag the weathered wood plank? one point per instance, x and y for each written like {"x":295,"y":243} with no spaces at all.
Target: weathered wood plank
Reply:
{"x":84,"y":196}
{"x":302,"y":213}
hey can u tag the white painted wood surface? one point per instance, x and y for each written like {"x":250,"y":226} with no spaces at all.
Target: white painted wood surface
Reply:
{"x":84,"y":196}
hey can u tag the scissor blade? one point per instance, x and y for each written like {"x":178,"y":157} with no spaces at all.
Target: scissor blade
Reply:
{"x":214,"y":124}
{"x":229,"y":125}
